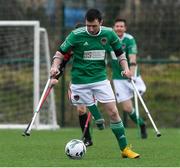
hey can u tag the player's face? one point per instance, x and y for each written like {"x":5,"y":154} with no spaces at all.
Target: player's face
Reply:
{"x":93,"y":27}
{"x":120,"y":28}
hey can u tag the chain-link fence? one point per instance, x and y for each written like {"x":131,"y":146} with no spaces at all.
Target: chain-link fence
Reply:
{"x":155,"y":24}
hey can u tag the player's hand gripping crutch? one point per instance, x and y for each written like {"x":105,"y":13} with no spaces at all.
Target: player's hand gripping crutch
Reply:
{"x":145,"y":108}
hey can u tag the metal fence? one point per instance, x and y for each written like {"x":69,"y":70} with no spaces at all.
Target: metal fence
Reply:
{"x":155,"y":24}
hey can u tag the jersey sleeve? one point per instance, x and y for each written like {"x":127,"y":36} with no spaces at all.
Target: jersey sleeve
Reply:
{"x":67,"y":44}
{"x":132,"y":46}
{"x":115,"y":44}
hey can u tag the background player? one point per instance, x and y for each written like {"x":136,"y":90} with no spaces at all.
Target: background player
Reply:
{"x":123,"y":88}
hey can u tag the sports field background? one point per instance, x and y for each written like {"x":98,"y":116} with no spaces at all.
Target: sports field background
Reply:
{"x":46,"y":148}
{"x":156,"y":27}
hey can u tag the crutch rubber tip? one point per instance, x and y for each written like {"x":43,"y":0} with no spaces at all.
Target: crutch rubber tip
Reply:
{"x":25,"y":134}
{"x":158,"y":134}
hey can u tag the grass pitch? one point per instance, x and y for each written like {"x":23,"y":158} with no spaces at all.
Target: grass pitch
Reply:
{"x":46,"y":148}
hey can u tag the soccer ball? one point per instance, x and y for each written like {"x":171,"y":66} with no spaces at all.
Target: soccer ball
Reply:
{"x":75,"y":149}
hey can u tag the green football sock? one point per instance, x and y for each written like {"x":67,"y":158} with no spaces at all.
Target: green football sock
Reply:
{"x":133,"y":117}
{"x":119,"y":132}
{"x":95,"y":112}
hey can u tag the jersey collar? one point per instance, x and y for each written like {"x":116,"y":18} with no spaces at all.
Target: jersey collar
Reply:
{"x":121,"y":39}
{"x":95,"y":34}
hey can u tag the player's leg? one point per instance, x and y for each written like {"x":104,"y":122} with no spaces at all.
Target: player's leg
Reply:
{"x":81,"y":95}
{"x":118,"y":129}
{"x":142,"y":89}
{"x":81,"y":109}
{"x":105,"y":95}
{"x":97,"y":116}
{"x":121,"y":92}
{"x":124,"y":94}
{"x":82,"y":112}
{"x":127,"y":107}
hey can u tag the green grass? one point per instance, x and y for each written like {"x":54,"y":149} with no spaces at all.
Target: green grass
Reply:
{"x":46,"y":148}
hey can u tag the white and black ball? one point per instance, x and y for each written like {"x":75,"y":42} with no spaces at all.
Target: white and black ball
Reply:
{"x":75,"y":149}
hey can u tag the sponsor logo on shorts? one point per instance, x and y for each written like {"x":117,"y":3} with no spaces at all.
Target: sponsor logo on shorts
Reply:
{"x":76,"y":97}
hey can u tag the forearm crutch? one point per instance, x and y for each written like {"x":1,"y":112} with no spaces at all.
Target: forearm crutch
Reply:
{"x":145,"y":108}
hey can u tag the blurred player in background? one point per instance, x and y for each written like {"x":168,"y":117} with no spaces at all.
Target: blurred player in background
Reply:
{"x":123,"y":88}
{"x":89,"y":77}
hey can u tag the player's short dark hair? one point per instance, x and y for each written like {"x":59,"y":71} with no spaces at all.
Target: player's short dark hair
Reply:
{"x":78,"y":25}
{"x":93,"y":14}
{"x":120,"y":20}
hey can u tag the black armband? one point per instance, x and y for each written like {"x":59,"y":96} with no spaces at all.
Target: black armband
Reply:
{"x":120,"y":55}
{"x":118,"y":52}
{"x":132,"y":64}
{"x":121,"y":58}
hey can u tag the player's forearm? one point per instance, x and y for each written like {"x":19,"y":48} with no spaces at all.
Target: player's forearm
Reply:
{"x":132,"y":60}
{"x":133,"y":69}
{"x":55,"y":68}
{"x":124,"y":65}
{"x":57,"y":59}
{"x":123,"y":61}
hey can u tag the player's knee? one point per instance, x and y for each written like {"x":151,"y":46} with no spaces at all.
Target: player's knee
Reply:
{"x":114,"y":115}
{"x":128,"y":108}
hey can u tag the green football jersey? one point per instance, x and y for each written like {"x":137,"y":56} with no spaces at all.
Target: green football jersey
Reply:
{"x":88,"y":64}
{"x":129,"y":46}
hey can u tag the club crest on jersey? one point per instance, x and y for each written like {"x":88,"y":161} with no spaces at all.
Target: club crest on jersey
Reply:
{"x":76,"y":97}
{"x":123,"y":46}
{"x":104,"y":41}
